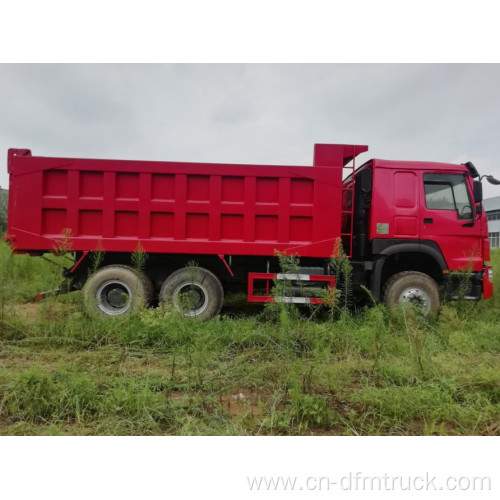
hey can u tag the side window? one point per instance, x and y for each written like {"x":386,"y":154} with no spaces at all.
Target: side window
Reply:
{"x":448,"y":192}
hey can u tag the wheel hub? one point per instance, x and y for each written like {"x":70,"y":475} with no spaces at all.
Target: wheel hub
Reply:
{"x":190,"y":299}
{"x":417,"y":296}
{"x":114,"y":297}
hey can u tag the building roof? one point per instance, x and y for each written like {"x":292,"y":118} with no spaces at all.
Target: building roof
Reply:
{"x":491,"y":204}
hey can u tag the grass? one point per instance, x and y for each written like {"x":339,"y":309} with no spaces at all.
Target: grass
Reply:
{"x":257,"y":372}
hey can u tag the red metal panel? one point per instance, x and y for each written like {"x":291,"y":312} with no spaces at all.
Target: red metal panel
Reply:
{"x":487,"y":283}
{"x":336,"y":155}
{"x":180,"y":207}
{"x":173,"y":207}
{"x":248,"y":208}
{"x":215,"y":208}
{"x":108,"y":205}
{"x":144,"y":206}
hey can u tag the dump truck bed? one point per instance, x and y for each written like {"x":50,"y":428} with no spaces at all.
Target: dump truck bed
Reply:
{"x":172,"y":207}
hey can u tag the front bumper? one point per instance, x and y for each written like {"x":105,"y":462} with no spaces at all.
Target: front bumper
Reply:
{"x":488,"y":282}
{"x":470,"y":286}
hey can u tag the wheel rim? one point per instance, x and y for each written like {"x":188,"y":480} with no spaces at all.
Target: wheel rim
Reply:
{"x":417,"y":296}
{"x":114,"y":297}
{"x":190,"y":299}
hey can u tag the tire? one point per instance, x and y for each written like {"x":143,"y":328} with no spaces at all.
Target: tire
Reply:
{"x":194,"y":292}
{"x":116,"y":291}
{"x":415,"y":288}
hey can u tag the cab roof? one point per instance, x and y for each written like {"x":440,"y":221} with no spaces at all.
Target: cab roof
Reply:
{"x":418,"y":165}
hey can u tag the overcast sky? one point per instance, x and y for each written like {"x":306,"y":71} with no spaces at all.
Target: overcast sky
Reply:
{"x":252,"y":113}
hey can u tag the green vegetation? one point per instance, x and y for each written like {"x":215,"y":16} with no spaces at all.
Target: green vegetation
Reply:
{"x":251,"y":371}
{"x":4,"y":198}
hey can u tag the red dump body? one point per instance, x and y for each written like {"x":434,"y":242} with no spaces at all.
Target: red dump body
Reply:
{"x":172,"y":207}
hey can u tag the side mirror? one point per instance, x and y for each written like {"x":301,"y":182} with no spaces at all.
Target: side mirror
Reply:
{"x":478,"y":192}
{"x":492,"y":180}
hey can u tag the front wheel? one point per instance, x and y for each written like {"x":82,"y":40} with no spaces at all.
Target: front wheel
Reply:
{"x":194,"y":292}
{"x":414,"y":288}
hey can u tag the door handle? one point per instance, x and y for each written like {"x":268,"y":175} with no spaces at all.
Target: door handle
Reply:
{"x":428,"y":221}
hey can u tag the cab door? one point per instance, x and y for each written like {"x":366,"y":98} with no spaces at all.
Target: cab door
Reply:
{"x":447,"y":217}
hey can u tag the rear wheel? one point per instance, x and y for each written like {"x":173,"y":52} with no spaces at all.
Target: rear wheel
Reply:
{"x":116,"y":291}
{"x":415,"y":288}
{"x":195,"y":292}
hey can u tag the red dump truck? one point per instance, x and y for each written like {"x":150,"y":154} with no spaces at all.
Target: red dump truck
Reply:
{"x":413,"y":231}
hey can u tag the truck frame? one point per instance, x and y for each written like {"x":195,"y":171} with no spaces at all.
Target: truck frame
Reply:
{"x":413,"y":231}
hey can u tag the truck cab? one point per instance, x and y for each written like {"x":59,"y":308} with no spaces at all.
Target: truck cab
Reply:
{"x":421,"y":221}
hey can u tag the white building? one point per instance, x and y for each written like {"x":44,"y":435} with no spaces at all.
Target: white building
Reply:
{"x":492,"y":207}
